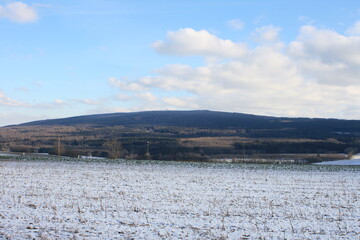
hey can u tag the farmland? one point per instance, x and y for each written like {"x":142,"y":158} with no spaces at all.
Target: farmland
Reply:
{"x":157,"y":200}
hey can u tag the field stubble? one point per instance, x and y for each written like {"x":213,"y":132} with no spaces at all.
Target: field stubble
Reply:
{"x":58,"y":200}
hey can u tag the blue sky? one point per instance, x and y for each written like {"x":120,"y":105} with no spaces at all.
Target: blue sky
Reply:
{"x":279,"y":58}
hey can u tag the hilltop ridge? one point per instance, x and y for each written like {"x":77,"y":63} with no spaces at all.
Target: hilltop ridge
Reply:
{"x":206,"y":119}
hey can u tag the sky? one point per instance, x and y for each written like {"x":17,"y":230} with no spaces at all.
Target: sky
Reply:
{"x":268,"y":57}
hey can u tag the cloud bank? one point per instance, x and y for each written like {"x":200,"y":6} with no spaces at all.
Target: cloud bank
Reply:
{"x":315,"y":75}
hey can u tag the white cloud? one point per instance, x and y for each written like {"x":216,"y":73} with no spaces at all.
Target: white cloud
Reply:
{"x":147,"y":96}
{"x":174,"y":77}
{"x":7,"y":101}
{"x":326,"y":56}
{"x":315,"y":75}
{"x":123,"y":85}
{"x":188,"y":41}
{"x":266,"y":34}
{"x":236,"y":24}
{"x":59,"y":102}
{"x":258,"y":87}
{"x":18,"y":12}
{"x":178,"y":102}
{"x":355,"y":29}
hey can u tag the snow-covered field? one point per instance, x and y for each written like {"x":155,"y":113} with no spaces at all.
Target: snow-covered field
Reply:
{"x":67,"y":200}
{"x":355,"y":160}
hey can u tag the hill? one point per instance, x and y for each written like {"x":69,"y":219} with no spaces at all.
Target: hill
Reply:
{"x":211,"y":120}
{"x":183,"y":135}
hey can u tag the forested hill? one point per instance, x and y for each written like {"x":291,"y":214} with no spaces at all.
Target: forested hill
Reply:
{"x":198,"y":119}
{"x":182,"y":135}
{"x":290,"y":127}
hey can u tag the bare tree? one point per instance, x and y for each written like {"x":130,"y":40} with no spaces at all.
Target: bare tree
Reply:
{"x":114,"y":147}
{"x":59,"y":148}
